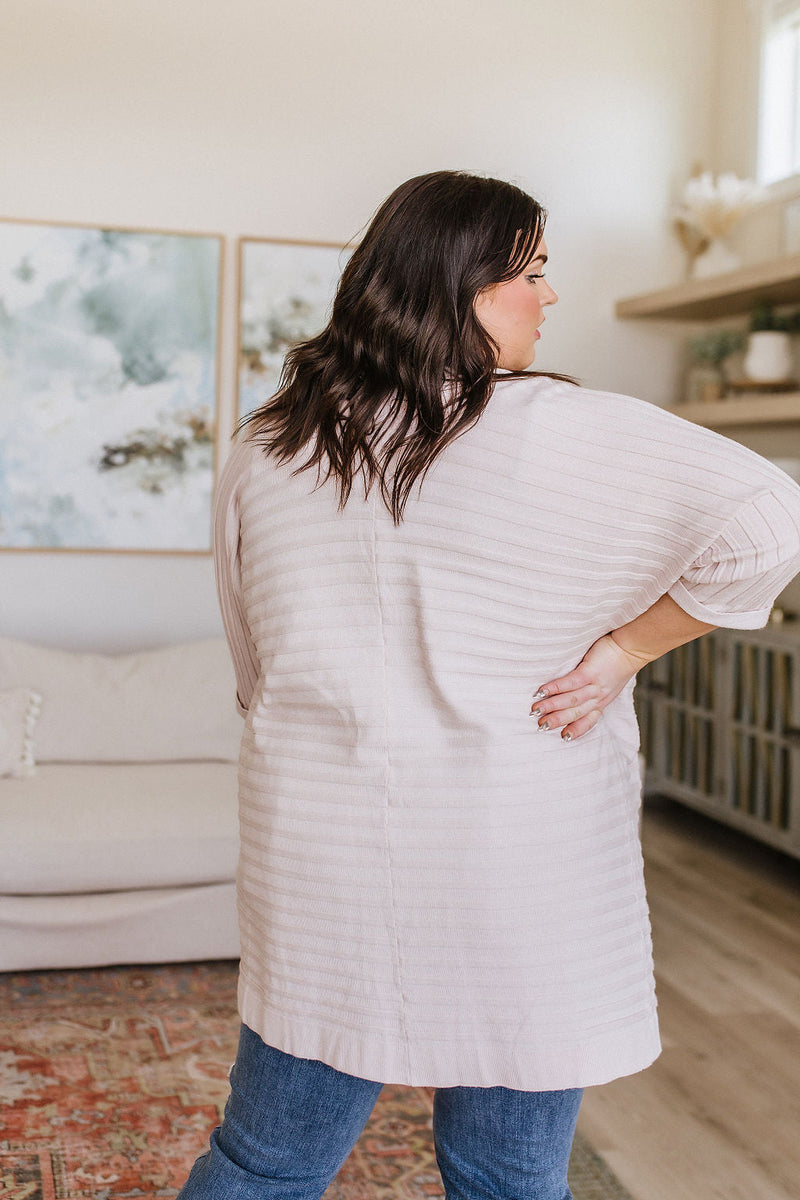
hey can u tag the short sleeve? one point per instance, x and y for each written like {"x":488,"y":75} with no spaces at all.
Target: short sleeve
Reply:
{"x":227,"y":568}
{"x":734,"y":582}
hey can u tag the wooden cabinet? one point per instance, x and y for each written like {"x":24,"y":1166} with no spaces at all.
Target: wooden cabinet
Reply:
{"x":720,"y":722}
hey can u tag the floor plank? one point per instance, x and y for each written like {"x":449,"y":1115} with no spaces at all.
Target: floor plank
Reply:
{"x":717,"y":1116}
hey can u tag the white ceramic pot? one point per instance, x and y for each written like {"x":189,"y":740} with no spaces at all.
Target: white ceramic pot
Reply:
{"x":769,"y":356}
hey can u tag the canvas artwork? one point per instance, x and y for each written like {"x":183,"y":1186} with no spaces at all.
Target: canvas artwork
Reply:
{"x":286,"y":290}
{"x":108,"y":370}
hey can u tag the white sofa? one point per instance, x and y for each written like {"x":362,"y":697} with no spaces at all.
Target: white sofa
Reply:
{"x":118,"y":809}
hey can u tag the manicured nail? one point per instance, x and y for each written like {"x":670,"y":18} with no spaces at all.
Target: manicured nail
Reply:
{"x":567,"y":737}
{"x":536,"y":712}
{"x":540,"y":695}
{"x":543,"y":727}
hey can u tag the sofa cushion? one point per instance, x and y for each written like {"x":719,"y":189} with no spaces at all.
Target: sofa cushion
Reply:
{"x":176,"y":703}
{"x":144,"y":926}
{"x":19,"y":709}
{"x":79,"y":828}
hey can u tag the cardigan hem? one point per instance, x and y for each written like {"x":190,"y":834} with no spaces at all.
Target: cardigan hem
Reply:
{"x":586,"y":1062}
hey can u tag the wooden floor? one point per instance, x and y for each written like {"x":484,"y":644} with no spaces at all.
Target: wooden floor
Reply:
{"x":717,"y":1117}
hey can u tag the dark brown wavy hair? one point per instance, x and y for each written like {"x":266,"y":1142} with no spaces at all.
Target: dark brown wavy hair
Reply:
{"x":403,"y":366}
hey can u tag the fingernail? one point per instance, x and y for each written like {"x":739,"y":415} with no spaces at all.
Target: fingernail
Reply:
{"x":540,"y":695}
{"x":536,"y":712}
{"x":567,"y":737}
{"x":543,"y":727}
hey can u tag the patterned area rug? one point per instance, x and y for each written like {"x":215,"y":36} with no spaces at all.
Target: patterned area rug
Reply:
{"x":112,"y":1079}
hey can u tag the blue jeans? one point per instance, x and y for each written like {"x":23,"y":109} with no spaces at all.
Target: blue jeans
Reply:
{"x":290,"y":1123}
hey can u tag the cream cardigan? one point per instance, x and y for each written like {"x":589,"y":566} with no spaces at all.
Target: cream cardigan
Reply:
{"x":431,"y":891}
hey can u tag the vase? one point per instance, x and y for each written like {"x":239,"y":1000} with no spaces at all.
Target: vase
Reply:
{"x":716,"y":259}
{"x":769,"y":356}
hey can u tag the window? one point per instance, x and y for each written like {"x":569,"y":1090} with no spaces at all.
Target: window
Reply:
{"x":779,"y":132}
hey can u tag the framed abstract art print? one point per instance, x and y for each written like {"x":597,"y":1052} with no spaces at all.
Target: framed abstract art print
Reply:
{"x":108,"y":387}
{"x":285,"y":294}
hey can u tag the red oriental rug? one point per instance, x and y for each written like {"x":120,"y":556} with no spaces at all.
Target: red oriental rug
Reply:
{"x":112,"y":1079}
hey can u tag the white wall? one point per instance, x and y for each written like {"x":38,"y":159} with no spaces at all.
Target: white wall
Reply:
{"x":293,"y":118}
{"x":736,"y":124}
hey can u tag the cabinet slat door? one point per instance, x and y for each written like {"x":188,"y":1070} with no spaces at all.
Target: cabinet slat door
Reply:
{"x":720,"y":720}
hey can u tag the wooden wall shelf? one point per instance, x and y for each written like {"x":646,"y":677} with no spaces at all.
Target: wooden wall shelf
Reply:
{"x":732,"y":294}
{"x":744,"y":409}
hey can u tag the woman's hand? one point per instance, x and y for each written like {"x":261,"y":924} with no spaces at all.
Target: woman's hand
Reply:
{"x":574,"y":702}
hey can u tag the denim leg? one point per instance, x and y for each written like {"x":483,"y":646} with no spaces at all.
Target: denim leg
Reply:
{"x":289,"y":1125}
{"x":499,"y":1144}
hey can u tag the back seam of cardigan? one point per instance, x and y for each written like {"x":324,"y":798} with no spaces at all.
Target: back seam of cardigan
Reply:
{"x":398,"y":961}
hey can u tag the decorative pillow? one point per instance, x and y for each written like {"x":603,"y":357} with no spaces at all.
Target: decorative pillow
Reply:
{"x":19,"y":708}
{"x":175,"y":703}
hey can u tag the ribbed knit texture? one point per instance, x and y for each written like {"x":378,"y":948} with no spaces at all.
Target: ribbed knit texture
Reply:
{"x":432,"y":891}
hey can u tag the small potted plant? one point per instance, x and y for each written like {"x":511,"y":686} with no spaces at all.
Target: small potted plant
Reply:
{"x":769,"y":350}
{"x":709,"y":355}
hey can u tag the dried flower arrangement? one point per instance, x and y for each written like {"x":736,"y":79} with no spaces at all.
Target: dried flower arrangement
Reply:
{"x":709,"y":210}
{"x":714,"y":207}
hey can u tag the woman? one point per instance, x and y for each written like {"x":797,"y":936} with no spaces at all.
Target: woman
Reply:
{"x":440,"y":879}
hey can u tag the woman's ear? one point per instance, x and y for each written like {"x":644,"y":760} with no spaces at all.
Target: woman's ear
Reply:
{"x":484,"y":299}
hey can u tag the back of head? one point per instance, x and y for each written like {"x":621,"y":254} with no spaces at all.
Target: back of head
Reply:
{"x":404,"y":366}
